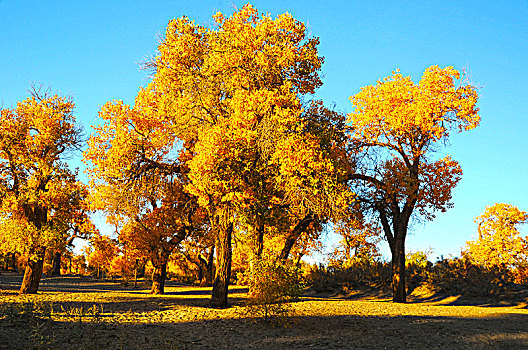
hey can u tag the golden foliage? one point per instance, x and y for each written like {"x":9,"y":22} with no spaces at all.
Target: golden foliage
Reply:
{"x":223,"y":118}
{"x":101,"y":252}
{"x":500,"y":243}
{"x":406,"y":117}
{"x":273,"y":285}
{"x":40,"y":198}
{"x":395,"y":125}
{"x":359,"y":242}
{"x":232,"y":94}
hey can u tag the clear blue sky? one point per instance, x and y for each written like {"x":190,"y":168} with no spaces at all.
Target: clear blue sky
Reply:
{"x":91,"y":50}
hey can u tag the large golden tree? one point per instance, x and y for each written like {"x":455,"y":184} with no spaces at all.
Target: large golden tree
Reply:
{"x":233,"y":94}
{"x":397,"y":126}
{"x":224,"y":113}
{"x":39,"y":194}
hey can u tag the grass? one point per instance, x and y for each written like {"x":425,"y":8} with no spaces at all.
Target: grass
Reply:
{"x":106,"y":315}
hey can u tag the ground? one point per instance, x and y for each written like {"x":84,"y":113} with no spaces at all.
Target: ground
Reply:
{"x":72,"y":312}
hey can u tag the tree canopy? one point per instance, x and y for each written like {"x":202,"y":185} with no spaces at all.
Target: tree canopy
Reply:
{"x":499,"y":243}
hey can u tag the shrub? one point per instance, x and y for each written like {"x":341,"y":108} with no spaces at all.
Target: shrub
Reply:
{"x":351,"y":274}
{"x":417,"y":269}
{"x":272,"y":285}
{"x":453,"y":276}
{"x":460,"y":276}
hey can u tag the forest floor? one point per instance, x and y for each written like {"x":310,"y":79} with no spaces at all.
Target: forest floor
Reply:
{"x":73,"y":312}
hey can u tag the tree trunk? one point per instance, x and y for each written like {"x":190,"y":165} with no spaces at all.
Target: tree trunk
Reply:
{"x":158,"y":279}
{"x":210,"y":267}
{"x":260,"y":242}
{"x":223,"y":268}
{"x":56,"y":267}
{"x":258,"y":248}
{"x":294,"y":235}
{"x":396,"y":240}
{"x":200,"y":274}
{"x":399,"y":294}
{"x":33,"y":274}
{"x":13,"y":262}
{"x":135,"y":273}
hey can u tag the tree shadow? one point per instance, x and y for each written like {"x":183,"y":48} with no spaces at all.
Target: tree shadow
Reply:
{"x":202,"y":291}
{"x":460,"y":300}
{"x":182,"y":319}
{"x":507,"y":331}
{"x":65,"y":293}
{"x":178,"y":294}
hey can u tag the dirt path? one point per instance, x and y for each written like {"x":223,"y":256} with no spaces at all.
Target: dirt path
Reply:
{"x":90,"y":314}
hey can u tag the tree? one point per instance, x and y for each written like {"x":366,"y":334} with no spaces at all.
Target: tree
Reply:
{"x":197,"y":255}
{"x":35,"y":183}
{"x":313,"y":173}
{"x":100,"y":253}
{"x":156,"y":234}
{"x":499,"y":243}
{"x":224,"y":114}
{"x":137,"y":178}
{"x":396,"y":126}
{"x":75,"y":223}
{"x":359,"y":242}
{"x":226,"y":92}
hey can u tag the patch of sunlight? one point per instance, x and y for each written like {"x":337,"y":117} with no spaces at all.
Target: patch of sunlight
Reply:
{"x":447,"y":300}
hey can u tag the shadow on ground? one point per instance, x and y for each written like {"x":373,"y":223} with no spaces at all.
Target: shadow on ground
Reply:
{"x":181,"y":319}
{"x":357,"y":332}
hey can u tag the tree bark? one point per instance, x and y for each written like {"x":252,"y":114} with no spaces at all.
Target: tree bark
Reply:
{"x":258,"y":247}
{"x":13,"y":261}
{"x":135,"y":273}
{"x":294,"y":235}
{"x":399,"y":294}
{"x":260,"y":242}
{"x":56,"y":266}
{"x":33,"y":274}
{"x":223,"y":268}
{"x":158,"y":279}
{"x":201,"y":267}
{"x":396,"y":240}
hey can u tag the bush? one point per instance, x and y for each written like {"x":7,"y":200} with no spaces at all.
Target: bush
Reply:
{"x":454,"y":276}
{"x":272,"y":285}
{"x":459,"y":276}
{"x":417,"y":269}
{"x":354,"y":273}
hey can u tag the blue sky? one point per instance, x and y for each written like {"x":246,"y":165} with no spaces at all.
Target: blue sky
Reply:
{"x":92,"y":50}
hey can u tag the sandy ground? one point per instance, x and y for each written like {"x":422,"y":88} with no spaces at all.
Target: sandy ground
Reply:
{"x":91,"y":314}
